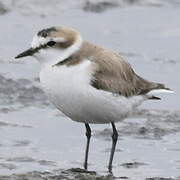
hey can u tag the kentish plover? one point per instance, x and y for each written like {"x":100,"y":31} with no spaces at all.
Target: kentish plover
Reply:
{"x":89,"y":84}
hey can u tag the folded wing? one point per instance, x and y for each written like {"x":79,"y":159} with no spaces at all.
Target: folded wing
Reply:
{"x":115,"y":75}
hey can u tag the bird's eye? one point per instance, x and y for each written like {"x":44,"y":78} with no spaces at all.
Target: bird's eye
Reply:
{"x":51,"y":43}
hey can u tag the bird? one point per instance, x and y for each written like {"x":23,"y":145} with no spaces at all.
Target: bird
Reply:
{"x":89,"y":83}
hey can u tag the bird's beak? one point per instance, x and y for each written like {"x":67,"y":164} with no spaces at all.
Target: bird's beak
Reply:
{"x":28,"y":52}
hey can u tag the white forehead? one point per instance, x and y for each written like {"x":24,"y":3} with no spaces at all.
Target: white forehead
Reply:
{"x":39,"y":40}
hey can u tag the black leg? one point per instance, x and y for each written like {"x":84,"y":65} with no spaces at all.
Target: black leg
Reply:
{"x":114,"y":141}
{"x":88,"y":135}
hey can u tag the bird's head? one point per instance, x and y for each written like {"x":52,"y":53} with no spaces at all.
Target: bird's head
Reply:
{"x":53,"y":45}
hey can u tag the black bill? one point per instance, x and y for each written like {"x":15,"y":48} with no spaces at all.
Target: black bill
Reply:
{"x":28,"y":52}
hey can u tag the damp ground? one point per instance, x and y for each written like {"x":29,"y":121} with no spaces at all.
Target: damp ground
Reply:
{"x":37,"y":142}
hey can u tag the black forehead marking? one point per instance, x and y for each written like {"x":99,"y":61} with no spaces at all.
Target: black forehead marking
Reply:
{"x":45,"y":32}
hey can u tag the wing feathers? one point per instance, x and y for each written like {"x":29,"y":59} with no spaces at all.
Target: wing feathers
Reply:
{"x":112,"y":73}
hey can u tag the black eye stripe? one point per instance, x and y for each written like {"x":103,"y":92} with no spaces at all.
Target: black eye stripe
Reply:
{"x":43,"y":46}
{"x":51,"y":43}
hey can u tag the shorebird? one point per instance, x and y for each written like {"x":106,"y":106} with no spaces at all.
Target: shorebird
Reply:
{"x":88,"y":83}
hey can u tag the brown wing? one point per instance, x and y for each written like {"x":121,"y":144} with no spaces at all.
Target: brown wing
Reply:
{"x":115,"y":75}
{"x":112,"y":73}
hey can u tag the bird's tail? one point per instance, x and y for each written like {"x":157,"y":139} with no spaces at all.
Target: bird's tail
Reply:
{"x":159,"y":89}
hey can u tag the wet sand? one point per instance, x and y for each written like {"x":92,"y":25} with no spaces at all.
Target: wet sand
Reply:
{"x":38,"y":142}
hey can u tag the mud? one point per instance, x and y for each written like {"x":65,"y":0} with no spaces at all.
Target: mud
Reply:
{"x":37,"y":142}
{"x":157,"y":125}
{"x":99,"y":7}
{"x":60,"y":174}
{"x":20,"y":91}
{"x":70,"y":175}
{"x":3,"y":9}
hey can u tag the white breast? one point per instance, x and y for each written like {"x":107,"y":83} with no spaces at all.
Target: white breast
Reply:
{"x":69,"y":89}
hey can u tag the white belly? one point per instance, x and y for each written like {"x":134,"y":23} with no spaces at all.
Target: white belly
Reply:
{"x":69,"y":89}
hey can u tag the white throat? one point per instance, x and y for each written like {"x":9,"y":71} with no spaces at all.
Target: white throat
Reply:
{"x":51,"y":56}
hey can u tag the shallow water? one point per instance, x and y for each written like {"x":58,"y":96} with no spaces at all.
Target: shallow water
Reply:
{"x":38,"y":142}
